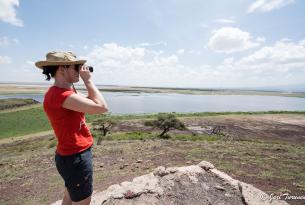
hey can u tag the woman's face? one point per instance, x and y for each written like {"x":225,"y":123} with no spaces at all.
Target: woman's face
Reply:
{"x":73,"y":72}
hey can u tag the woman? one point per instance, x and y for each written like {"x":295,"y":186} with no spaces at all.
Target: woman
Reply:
{"x":66,"y":110}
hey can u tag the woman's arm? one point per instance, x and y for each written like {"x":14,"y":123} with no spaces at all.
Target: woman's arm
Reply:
{"x":93,"y":104}
{"x":82,"y":104}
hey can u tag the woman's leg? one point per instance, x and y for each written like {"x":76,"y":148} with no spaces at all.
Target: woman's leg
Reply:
{"x":77,"y":172}
{"x":83,"y":202}
{"x":66,"y":200}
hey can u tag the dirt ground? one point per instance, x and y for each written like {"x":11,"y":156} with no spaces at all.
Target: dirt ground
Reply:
{"x":288,"y":127}
{"x":267,"y":151}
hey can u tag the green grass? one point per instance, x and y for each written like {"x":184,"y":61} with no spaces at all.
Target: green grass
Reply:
{"x":23,"y":122}
{"x":33,"y":120}
{"x":127,"y":136}
{"x":18,"y":152}
{"x":199,"y":114}
{"x":197,"y":137}
{"x":15,"y":148}
{"x":265,"y":174}
{"x":256,"y":160}
{"x":301,"y":186}
{"x":138,"y":135}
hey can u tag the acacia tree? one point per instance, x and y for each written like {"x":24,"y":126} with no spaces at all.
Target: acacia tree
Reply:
{"x":166,"y":122}
{"x":104,"y":124}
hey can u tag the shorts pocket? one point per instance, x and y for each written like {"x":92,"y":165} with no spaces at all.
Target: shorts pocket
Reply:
{"x":80,"y":187}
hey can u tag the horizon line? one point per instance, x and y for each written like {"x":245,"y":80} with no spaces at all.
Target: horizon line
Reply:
{"x":249,"y":88}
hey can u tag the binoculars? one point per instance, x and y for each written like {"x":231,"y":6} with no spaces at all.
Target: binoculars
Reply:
{"x":77,"y":67}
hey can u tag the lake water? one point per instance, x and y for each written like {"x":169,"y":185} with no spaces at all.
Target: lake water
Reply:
{"x":131,"y":103}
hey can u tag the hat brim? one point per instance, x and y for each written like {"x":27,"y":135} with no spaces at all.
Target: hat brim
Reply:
{"x":41,"y":64}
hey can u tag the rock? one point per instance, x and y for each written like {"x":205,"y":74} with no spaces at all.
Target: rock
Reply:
{"x":139,"y":185}
{"x":194,"y":184}
{"x":123,"y":166}
{"x":139,"y":161}
{"x":160,"y":171}
{"x":228,"y":195}
{"x":171,"y":169}
{"x":102,"y":165}
{"x":254,"y":196}
{"x":129,"y":194}
{"x":191,"y":172}
{"x":219,"y":188}
{"x":226,"y":178}
{"x":206,"y":165}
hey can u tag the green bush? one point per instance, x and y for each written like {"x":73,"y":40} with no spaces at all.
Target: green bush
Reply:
{"x":15,"y":102}
{"x":166,"y":122}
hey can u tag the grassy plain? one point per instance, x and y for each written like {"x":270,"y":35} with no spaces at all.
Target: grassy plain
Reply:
{"x":266,"y":149}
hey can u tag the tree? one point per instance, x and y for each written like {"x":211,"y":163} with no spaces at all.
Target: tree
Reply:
{"x":166,"y":122}
{"x":104,"y":124}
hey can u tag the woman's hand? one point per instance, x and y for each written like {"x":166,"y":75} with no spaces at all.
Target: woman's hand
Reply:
{"x":85,"y":73}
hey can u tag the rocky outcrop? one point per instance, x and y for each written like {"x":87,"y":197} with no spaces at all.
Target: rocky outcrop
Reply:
{"x":196,"y":184}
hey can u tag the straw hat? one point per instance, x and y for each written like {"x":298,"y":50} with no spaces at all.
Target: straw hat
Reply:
{"x":59,"y":58}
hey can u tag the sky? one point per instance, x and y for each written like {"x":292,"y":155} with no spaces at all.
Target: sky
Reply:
{"x":159,"y":43}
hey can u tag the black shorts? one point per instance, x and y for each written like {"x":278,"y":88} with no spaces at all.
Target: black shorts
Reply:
{"x":76,"y":170}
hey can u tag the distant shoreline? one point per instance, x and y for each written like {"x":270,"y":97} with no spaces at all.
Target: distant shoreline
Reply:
{"x":24,"y":88}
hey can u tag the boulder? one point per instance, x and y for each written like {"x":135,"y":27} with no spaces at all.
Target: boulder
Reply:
{"x":195,"y":184}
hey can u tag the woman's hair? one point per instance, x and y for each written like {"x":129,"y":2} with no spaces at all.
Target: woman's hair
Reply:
{"x":49,"y":71}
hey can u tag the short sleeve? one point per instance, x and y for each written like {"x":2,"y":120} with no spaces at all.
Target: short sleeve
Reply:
{"x":60,"y":97}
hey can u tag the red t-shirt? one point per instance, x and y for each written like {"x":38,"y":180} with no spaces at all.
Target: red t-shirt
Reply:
{"x":69,"y":126}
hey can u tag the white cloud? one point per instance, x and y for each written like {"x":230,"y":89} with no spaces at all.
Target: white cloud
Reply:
{"x":225,"y":21}
{"x":120,"y":65}
{"x":280,"y":64}
{"x":111,"y":52}
{"x":196,"y":52}
{"x":180,"y":51}
{"x":302,"y":42}
{"x":16,"y":41}
{"x":5,"y":41}
{"x":8,"y":12}
{"x":146,"y":44}
{"x":85,"y":47}
{"x":228,"y":61}
{"x":268,"y":5}
{"x":5,"y":60}
{"x":260,"y":39}
{"x":115,"y":64}
{"x":284,"y":53}
{"x":231,"y":39}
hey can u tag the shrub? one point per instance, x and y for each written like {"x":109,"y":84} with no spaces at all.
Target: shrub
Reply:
{"x":166,"y":122}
